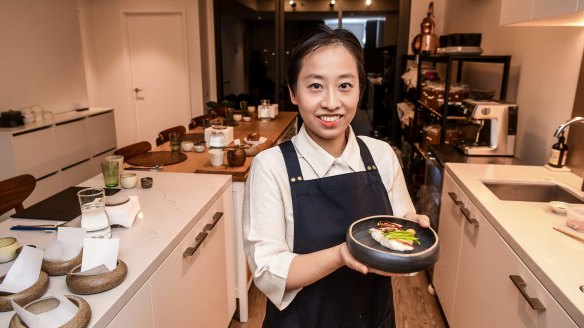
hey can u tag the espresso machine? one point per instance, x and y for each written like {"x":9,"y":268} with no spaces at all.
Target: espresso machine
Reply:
{"x":496,"y":128}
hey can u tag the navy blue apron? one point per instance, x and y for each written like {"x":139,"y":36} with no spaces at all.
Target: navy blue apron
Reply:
{"x":323,"y":211}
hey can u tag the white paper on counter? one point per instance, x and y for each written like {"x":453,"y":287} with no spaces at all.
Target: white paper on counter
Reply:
{"x":92,"y":272}
{"x":100,"y":251}
{"x":24,"y":272}
{"x":124,"y":214}
{"x":57,"y":317}
{"x":68,"y":244}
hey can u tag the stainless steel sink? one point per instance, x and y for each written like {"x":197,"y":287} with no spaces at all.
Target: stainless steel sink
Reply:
{"x":531,"y":192}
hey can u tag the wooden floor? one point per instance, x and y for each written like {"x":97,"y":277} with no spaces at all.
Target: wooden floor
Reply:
{"x":414,"y":306}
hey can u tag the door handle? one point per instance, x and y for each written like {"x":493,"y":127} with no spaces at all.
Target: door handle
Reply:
{"x":136,"y":90}
{"x":454,"y":198}
{"x":198,"y":241}
{"x":470,"y":219}
{"x":534,"y":302}
{"x":216,"y":218}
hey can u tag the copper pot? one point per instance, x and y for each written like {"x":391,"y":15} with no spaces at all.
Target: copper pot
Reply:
{"x":236,"y":156}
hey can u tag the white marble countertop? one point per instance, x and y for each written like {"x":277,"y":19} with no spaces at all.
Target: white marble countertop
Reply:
{"x":170,"y":209}
{"x":555,"y":259}
{"x":57,"y":118}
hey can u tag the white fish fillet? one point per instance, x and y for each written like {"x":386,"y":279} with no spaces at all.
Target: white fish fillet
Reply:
{"x":389,"y":243}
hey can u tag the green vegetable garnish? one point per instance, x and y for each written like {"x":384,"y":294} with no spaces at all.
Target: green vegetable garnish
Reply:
{"x":403,"y":235}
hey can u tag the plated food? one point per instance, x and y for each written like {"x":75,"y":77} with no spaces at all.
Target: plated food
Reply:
{"x":254,"y":138}
{"x":392,"y":257}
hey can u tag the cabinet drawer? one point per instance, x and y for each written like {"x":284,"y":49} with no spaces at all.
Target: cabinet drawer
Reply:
{"x":192,"y":281}
{"x":35,"y":152}
{"x":102,"y":132}
{"x":137,"y":312}
{"x":72,"y":141}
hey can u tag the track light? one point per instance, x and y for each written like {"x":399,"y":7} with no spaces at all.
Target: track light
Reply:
{"x":292,"y":3}
{"x":367,"y":3}
{"x":332,"y":3}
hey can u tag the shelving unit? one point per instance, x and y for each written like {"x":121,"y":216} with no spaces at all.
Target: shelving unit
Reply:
{"x":443,"y":114}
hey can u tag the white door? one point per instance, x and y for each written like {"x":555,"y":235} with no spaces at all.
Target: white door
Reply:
{"x":157,"y":50}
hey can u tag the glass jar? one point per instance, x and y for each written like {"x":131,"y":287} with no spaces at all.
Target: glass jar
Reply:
{"x":264,"y":111}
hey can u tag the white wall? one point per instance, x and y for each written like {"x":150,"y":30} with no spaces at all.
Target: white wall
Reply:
{"x":545,"y":66}
{"x":41,"y":59}
{"x":111,"y":79}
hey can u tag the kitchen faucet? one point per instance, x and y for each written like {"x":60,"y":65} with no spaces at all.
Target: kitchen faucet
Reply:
{"x":564,"y":125}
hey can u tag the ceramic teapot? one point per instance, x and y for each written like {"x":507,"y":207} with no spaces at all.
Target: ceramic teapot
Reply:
{"x":236,"y":156}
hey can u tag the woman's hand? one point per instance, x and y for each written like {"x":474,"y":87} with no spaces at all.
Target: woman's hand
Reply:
{"x":347,"y":259}
{"x":423,"y":220}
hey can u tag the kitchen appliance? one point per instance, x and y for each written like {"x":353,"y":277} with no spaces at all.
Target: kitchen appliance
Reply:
{"x":496,"y":123}
{"x":11,"y":119}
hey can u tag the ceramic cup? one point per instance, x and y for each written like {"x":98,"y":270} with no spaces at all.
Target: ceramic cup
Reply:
{"x":146,"y":182}
{"x":216,"y":156}
{"x":237,"y":117}
{"x":8,"y":247}
{"x":110,"y":170}
{"x":251,"y":109}
{"x":199,"y":147}
{"x":186,"y":146}
{"x":247,"y":118}
{"x":128,"y":180}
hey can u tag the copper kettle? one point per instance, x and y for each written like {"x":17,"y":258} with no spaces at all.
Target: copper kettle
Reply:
{"x":236,"y":156}
{"x":427,"y":42}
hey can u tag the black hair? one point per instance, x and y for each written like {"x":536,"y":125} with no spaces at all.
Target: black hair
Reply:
{"x":320,"y":36}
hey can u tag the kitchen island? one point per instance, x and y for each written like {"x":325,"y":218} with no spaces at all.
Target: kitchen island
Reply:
{"x":163,"y":288}
{"x":501,"y":262}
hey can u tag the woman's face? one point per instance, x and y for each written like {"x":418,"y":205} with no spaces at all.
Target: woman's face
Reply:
{"x":327,"y":94}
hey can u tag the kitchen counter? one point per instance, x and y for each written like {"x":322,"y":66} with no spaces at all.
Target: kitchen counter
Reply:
{"x":527,"y":227}
{"x":171,"y":208}
{"x":450,"y":154}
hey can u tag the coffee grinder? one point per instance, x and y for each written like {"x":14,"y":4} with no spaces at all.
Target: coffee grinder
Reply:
{"x":496,"y":124}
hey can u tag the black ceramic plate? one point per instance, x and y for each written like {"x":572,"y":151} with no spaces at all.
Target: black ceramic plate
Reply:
{"x":369,"y":252}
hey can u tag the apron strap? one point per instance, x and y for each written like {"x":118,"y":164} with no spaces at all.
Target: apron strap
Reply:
{"x":293,"y":165}
{"x":291,"y":160}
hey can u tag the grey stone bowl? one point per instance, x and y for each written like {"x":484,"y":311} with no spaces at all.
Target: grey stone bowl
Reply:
{"x":61,"y":268}
{"x":80,"y":320}
{"x":26,"y":296}
{"x":94,"y":284}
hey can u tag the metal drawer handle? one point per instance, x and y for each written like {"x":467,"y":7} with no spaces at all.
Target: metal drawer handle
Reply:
{"x":198,"y":241}
{"x":216,"y":217}
{"x":470,"y":220}
{"x":454,"y":198}
{"x":534,"y":302}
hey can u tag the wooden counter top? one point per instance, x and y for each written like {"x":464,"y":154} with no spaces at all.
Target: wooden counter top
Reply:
{"x":199,"y":162}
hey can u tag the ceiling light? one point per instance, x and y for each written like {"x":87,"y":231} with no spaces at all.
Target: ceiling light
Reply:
{"x":367,"y":3}
{"x":292,"y":3}
{"x":332,"y":3}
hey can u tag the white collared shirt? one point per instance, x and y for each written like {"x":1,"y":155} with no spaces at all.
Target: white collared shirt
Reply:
{"x":268,"y":222}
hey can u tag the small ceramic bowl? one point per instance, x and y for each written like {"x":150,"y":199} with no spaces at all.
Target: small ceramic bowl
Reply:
{"x":26,"y":296}
{"x":186,"y":146}
{"x":81,"y":318}
{"x":8,"y":247}
{"x":128,"y":180}
{"x":94,"y":284}
{"x":559,"y":207}
{"x":61,"y":268}
{"x":200,"y":147}
{"x":146,"y":182}
{"x":237,"y":117}
{"x":247,"y":118}
{"x":251,"y":109}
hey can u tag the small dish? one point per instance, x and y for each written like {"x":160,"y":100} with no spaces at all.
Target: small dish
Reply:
{"x":60,"y":268}
{"x":8,"y":247}
{"x":368,"y":251}
{"x":97,"y":283}
{"x":255,"y":143}
{"x":247,"y":118}
{"x":559,"y":207}
{"x":26,"y":296}
{"x":81,"y":318}
{"x":199,"y":147}
{"x":186,"y":146}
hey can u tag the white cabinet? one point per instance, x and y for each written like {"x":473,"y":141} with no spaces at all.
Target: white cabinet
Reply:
{"x":540,"y":12}
{"x":191,"y":287}
{"x":62,"y":151}
{"x":450,"y":236}
{"x":478,"y":290}
{"x":137,"y":312}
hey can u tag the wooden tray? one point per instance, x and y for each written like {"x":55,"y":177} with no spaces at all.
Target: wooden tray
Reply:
{"x":195,"y":137}
{"x":225,"y":168}
{"x":153,"y":158}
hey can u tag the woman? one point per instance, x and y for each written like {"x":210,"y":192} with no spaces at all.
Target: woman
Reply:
{"x":302,"y":196}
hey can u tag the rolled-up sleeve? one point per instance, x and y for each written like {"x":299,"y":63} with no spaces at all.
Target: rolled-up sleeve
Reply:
{"x":268,"y":227}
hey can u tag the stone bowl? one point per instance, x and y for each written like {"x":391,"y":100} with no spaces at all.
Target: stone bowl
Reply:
{"x":94,"y":284}
{"x":81,"y":318}
{"x":26,"y":296}
{"x":61,"y":268}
